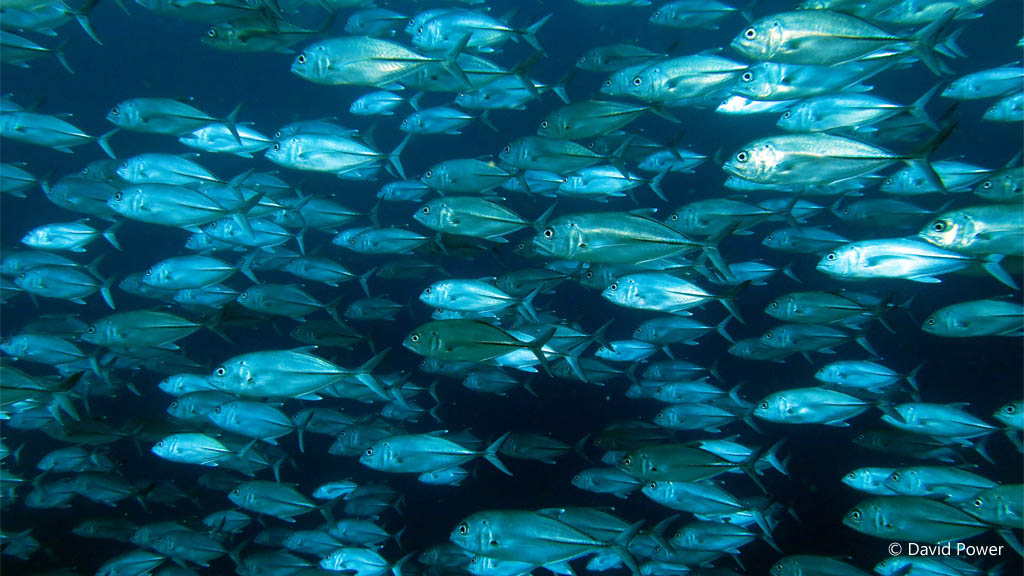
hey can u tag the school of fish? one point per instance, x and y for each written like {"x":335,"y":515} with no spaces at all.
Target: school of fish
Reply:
{"x":577,"y":256}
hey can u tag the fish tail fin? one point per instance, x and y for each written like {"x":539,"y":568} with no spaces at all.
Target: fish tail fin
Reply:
{"x":395,"y":158}
{"x":537,"y":347}
{"x":621,"y":547}
{"x":364,"y":280}
{"x":231,"y":122}
{"x":530,"y":34}
{"x":919,"y":158}
{"x":720,"y":328}
{"x":491,"y":453}
{"x":300,"y":429}
{"x":109,"y":236}
{"x":559,"y":87}
{"x":1012,"y":541}
{"x":581,"y":447}
{"x":711,"y":252}
{"x":364,"y":376}
{"x":655,"y":185}
{"x":911,"y":378}
{"x":58,"y":53}
{"x":917,"y":109}
{"x":82,"y":16}
{"x":332,"y":309}
{"x":991,"y":264}
{"x":924,"y":42}
{"x":542,"y":220}
{"x":526,"y":304}
{"x":105,"y":290}
{"x":450,"y":62}
{"x":396,"y":568}
{"x":728,"y":300}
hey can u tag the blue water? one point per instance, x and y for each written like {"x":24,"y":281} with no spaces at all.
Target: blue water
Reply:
{"x":148,"y":55}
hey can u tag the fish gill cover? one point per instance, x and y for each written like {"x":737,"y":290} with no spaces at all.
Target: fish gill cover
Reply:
{"x":300,"y":287}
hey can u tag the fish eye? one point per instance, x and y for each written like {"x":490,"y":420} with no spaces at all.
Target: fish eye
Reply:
{"x":831,"y":257}
{"x":245,"y":295}
{"x":939,"y":226}
{"x":851,"y":476}
{"x":767,"y":335}
{"x":419,"y":30}
{"x":747,"y":76}
{"x":426,"y":209}
{"x":124,"y":165}
{"x":149,"y":272}
{"x":750,"y":33}
{"x":978,"y":502}
{"x":660,"y":416}
{"x":463,"y":529}
{"x":549,"y":233}
{"x":415,"y":338}
{"x":607,"y":83}
{"x":986,"y":184}
{"x":174,"y":404}
{"x":775,"y":305}
{"x":117,"y":197}
{"x":212,"y":32}
{"x":301,"y":59}
{"x":931,"y":321}
{"x":786,"y":114}
{"x":369,"y":451}
{"x":91,"y":329}
{"x":637,"y":81}
{"x":276,"y":146}
{"x":428,"y":174}
{"x":508,"y":149}
{"x":544,"y":124}
{"x":160,"y":443}
{"x":627,"y":461}
{"x":855,"y":514}
{"x":405,"y":122}
{"x":614,"y":286}
{"x":653,"y":485}
{"x":1010,"y":409}
{"x":764,"y":405}
{"x":742,"y":156}
{"x":427,"y":291}
{"x":895,"y":477}
{"x":235,"y":492}
{"x":590,"y":274}
{"x":216,"y":410}
{"x":221,"y":371}
{"x":576,"y":478}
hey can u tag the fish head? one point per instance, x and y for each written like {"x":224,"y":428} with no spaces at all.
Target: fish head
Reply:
{"x":133,"y":170}
{"x":903,"y":481}
{"x":380,"y":456}
{"x":436,"y":294}
{"x":232,"y":376}
{"x":624,"y":292}
{"x":166,"y":448}
{"x":514,"y":153}
{"x":773,"y":408}
{"x":412,"y":123}
{"x":761,"y":39}
{"x":99,"y":332}
{"x":758,"y":82}
{"x":799,"y":118}
{"x":424,"y":341}
{"x":124,"y":114}
{"x":841,"y":262}
{"x":778,"y":337}
{"x":475,"y":533}
{"x":434,"y":214}
{"x":36,"y":238}
{"x":655,"y":490}
{"x":554,"y":126}
{"x":759,"y":161}
{"x":1011,"y":414}
{"x":944,"y":323}
{"x":313,"y":63}
{"x":562,"y":238}
{"x":241,"y":495}
{"x":945,"y":231}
